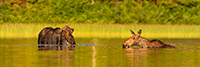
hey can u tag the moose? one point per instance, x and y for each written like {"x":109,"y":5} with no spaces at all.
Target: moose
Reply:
{"x":137,"y":40}
{"x":57,"y":36}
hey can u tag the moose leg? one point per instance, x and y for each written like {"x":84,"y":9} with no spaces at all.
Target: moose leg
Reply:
{"x":58,"y":47}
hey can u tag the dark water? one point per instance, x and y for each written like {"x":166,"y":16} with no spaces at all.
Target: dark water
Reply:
{"x":94,"y":52}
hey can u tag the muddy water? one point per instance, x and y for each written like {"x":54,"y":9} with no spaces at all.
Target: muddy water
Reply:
{"x":95,"y":52}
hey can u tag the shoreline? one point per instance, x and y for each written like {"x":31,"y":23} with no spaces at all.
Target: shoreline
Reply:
{"x":96,"y":30}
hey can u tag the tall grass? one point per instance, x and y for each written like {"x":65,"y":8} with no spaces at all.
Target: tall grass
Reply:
{"x":31,"y":30}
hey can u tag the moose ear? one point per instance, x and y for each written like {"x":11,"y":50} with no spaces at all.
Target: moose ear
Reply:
{"x":132,"y":32}
{"x":140,"y":31}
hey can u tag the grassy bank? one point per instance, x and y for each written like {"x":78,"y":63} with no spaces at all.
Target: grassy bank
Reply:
{"x":21,"y":30}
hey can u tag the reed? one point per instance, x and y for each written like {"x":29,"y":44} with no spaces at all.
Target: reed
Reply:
{"x":31,"y":30}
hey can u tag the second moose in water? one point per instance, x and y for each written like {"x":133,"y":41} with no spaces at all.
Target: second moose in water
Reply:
{"x":136,"y":39}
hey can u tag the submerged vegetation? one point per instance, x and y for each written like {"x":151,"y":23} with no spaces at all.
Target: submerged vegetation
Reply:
{"x":31,"y":30}
{"x":100,"y":11}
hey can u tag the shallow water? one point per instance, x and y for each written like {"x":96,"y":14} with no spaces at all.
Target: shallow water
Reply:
{"x":94,"y":52}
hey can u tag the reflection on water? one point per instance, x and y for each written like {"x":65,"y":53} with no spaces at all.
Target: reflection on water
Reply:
{"x":56,"y":48}
{"x":94,"y":52}
{"x":136,"y":57}
{"x":44,"y":47}
{"x":93,"y":56}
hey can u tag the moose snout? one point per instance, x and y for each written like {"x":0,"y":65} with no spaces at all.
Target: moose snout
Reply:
{"x":72,"y":29}
{"x":125,"y":46}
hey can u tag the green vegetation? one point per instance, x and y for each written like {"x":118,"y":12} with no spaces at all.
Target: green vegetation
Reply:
{"x":109,"y":18}
{"x":102,"y":11}
{"x":31,"y":30}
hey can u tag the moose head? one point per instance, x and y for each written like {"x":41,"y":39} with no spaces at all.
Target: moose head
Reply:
{"x":66,"y":36}
{"x":133,"y":40}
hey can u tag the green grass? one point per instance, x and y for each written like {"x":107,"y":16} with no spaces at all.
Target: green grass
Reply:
{"x":83,"y":11}
{"x":31,"y":30}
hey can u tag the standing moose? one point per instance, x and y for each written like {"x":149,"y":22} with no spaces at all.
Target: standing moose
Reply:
{"x":57,"y":36}
{"x":136,"y":39}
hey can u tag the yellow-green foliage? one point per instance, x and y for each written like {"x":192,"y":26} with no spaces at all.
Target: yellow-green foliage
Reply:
{"x":21,"y":30}
{"x":105,"y":11}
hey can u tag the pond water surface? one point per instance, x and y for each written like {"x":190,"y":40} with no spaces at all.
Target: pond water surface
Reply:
{"x":99,"y":52}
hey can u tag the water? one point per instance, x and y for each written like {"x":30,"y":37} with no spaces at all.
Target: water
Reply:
{"x":94,"y":52}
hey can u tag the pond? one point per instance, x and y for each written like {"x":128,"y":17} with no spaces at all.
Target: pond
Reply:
{"x":99,"y":52}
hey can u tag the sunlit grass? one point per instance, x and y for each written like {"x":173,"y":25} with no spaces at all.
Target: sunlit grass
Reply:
{"x":21,"y":30}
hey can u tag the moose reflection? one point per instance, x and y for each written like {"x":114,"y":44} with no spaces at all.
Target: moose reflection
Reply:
{"x":136,"y":39}
{"x":56,"y":37}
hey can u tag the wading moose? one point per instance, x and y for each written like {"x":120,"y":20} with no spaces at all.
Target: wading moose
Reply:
{"x":57,"y":36}
{"x":136,"y":39}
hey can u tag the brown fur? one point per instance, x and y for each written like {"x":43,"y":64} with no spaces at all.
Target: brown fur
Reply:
{"x":136,"y":39}
{"x":57,"y":36}
{"x":67,"y":31}
{"x":67,"y":28}
{"x":43,"y":37}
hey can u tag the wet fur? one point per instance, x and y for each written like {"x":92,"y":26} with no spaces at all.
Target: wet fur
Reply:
{"x":57,"y":36}
{"x":136,"y":39}
{"x":144,"y":43}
